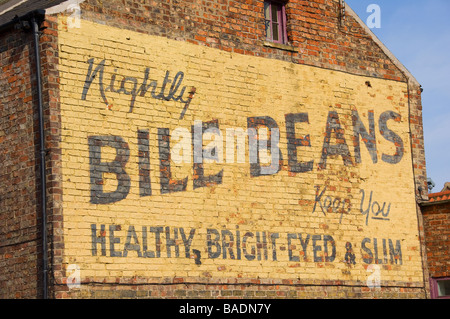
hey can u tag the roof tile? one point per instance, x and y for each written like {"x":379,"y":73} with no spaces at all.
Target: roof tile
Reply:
{"x":441,"y":196}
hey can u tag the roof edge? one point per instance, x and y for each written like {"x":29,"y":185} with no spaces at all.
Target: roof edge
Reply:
{"x":433,"y":203}
{"x":16,"y":10}
{"x":10,"y":5}
{"x":40,"y":13}
{"x":386,"y":51}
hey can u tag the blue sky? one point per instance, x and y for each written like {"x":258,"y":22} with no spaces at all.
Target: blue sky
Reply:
{"x":418,"y":34}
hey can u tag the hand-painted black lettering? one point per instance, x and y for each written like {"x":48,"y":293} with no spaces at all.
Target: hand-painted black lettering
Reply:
{"x":290,"y":237}
{"x":349,"y":255}
{"x":172,"y":242}
{"x":131,"y":235}
{"x":145,"y":251}
{"x":145,"y":188}
{"x":330,"y":204}
{"x":327,"y":239}
{"x":340,"y":147}
{"x":98,"y":239}
{"x":395,"y":253}
{"x":316,"y":248}
{"x":293,"y":143}
{"x":90,"y":77}
{"x":117,"y":167}
{"x":114,"y":240}
{"x":213,"y":242}
{"x":199,"y":179}
{"x":157,"y":231}
{"x":273,"y":238}
{"x":197,"y":256}
{"x":391,"y":136}
{"x":129,"y":85}
{"x":369,"y":139}
{"x":227,"y":243}
{"x":187,"y":241}
{"x":168,"y":185}
{"x":252,"y":254}
{"x":378,"y":211}
{"x":255,"y":144}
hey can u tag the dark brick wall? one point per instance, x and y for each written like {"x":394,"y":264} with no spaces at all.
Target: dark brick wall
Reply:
{"x":20,"y":197}
{"x":19,"y":191}
{"x":52,"y":123}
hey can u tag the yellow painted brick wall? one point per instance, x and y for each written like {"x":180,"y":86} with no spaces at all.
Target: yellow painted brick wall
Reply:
{"x":231,"y":88}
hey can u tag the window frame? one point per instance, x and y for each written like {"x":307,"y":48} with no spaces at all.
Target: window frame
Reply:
{"x":281,"y":17}
{"x":434,"y":287}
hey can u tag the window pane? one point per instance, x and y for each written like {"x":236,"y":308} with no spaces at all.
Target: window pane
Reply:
{"x":443,"y":288}
{"x":267,"y":10}
{"x":275,"y":32}
{"x":274,"y":21}
{"x":267,"y":21}
{"x":275,"y":9}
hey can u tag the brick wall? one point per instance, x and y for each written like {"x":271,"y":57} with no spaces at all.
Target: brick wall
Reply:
{"x":329,"y":70}
{"x":19,"y":193}
{"x":260,"y":289}
{"x":437,"y":237}
{"x":314,"y":30}
{"x":315,"y":33}
{"x":21,"y":217}
{"x":170,"y":203}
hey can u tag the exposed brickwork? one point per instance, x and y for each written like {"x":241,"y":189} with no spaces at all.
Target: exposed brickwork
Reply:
{"x":436,"y":218}
{"x":258,"y":290}
{"x":314,"y":30}
{"x":19,"y":191}
{"x":21,"y":249}
{"x":316,"y":38}
{"x":417,"y":140}
{"x":52,"y":122}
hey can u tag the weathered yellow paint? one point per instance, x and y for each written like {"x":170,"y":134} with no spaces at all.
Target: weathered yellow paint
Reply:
{"x":230,"y":88}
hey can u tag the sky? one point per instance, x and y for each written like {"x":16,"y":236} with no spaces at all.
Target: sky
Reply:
{"x":418,"y":34}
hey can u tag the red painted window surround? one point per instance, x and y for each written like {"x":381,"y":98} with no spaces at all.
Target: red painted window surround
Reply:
{"x":275,"y":20}
{"x":434,"y":285}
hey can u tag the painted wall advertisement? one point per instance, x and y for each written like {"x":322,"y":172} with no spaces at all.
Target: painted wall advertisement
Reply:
{"x":181,"y":160}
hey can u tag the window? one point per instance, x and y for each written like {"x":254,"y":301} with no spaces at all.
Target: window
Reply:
{"x":440,"y":288}
{"x":275,"y":19}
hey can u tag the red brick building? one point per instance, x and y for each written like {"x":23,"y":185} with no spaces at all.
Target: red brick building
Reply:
{"x":338,"y":218}
{"x":436,"y":216}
